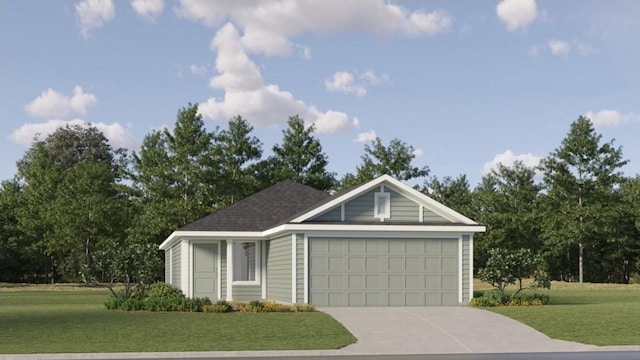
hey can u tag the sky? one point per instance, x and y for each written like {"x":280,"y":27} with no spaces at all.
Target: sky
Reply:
{"x":468,"y":84}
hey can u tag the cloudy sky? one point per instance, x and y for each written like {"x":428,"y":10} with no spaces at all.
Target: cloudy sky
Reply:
{"x":467,"y":83}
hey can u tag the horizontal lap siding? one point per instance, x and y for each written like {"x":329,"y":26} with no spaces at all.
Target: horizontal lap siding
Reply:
{"x":300,"y":268}
{"x":175,"y":266}
{"x":429,"y":216}
{"x":360,"y":208}
{"x":167,"y":266}
{"x":403,"y":209}
{"x":279,"y":269}
{"x":223,"y":270}
{"x":466,"y":263}
{"x":247,"y":292}
{"x":330,"y":216}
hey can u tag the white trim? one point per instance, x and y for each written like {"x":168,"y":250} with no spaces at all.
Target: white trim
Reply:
{"x":387,"y":205}
{"x":342,"y":212}
{"x":218,"y":269}
{"x":420,"y":213}
{"x":305,"y":264}
{"x":170,"y":279}
{"x":397,"y":186}
{"x":208,"y":235}
{"x":257,"y":257}
{"x":229,"y":271}
{"x":263,"y":277}
{"x":470,"y":267}
{"x":460,"y":260}
{"x":294,"y":264}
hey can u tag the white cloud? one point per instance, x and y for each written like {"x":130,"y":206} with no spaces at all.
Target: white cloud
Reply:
{"x":148,"y":8}
{"x":52,"y":104}
{"x":517,"y":13}
{"x":354,"y":83}
{"x":418,"y":153}
{"x":245,"y":92}
{"x":268,"y":26}
{"x":198,"y":70}
{"x":93,"y":14}
{"x":508,"y":158}
{"x":344,"y":82}
{"x":609,"y":118}
{"x":117,"y":135}
{"x":366,"y":137}
{"x":559,"y":47}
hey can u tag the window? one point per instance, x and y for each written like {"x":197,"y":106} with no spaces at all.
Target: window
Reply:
{"x":382,"y":205}
{"x":245,"y":261}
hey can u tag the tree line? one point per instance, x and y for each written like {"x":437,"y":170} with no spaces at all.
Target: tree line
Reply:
{"x":80,"y":211}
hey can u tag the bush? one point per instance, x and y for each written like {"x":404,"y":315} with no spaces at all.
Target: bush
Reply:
{"x":304,"y":308}
{"x":489,"y":298}
{"x":529,"y":300}
{"x":221,"y":306}
{"x":272,"y":306}
{"x":495,"y":298}
{"x":164,"y":290}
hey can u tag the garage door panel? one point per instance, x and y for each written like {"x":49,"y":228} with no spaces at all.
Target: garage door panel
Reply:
{"x":383,"y":272}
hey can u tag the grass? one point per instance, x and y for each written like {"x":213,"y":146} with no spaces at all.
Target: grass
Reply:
{"x":598,"y":314}
{"x":76,"y":321}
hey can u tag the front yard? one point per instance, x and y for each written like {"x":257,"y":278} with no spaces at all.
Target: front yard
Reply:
{"x":74,"y":321}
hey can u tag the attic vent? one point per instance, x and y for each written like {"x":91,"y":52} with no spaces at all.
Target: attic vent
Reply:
{"x":382,"y":205}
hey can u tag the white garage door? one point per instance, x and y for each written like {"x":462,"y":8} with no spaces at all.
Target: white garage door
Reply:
{"x":383,"y":272}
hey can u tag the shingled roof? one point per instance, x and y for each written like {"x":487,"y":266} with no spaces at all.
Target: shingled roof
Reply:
{"x":270,"y":207}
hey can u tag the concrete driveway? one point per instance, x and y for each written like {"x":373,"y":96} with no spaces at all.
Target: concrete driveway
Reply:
{"x":442,"y":330}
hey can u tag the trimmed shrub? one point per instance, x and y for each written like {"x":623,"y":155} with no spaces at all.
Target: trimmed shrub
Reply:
{"x":164,"y":290}
{"x":489,"y":298}
{"x":529,"y":300}
{"x":272,"y":306}
{"x":304,"y":308}
{"x":221,"y":306}
{"x":495,"y":298}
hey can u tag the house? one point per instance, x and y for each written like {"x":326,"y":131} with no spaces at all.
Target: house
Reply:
{"x":379,"y":244}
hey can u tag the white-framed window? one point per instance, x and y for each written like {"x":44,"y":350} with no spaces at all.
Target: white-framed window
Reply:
{"x":246,"y":262}
{"x":382,"y":205}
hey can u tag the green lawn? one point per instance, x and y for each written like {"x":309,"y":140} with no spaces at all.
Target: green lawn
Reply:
{"x":71,"y":321}
{"x":598,"y":314}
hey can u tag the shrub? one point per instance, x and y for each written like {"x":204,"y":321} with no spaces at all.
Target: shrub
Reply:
{"x":529,"y":300}
{"x":164,"y":290}
{"x":255,"y":306}
{"x":221,"y":306}
{"x":272,"y":306}
{"x":489,"y":298}
{"x":304,"y":308}
{"x":495,"y":298}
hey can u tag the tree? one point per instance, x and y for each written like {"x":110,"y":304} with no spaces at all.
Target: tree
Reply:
{"x":395,"y":160}
{"x":300,"y":157}
{"x":51,"y":170}
{"x":506,"y":267}
{"x":454,"y":193}
{"x":580,"y":177}
{"x":506,"y":200}
{"x":239,"y":153}
{"x":176,"y":176}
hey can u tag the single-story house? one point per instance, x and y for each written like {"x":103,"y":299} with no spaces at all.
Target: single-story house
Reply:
{"x":380,"y":244}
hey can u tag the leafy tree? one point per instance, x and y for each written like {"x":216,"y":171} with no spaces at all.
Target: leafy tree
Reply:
{"x":454,"y":193}
{"x":176,"y":176}
{"x":48,"y":170}
{"x":395,"y":160}
{"x":506,"y":200}
{"x":580,"y":177}
{"x":506,"y":267}
{"x":300,"y":157}
{"x":239,"y":153}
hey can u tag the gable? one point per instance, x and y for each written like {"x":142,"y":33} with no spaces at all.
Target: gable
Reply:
{"x":406,"y":205}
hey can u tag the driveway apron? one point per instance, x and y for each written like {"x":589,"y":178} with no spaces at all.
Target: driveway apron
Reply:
{"x":440,"y":330}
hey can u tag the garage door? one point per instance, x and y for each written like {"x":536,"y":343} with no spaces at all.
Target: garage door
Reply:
{"x":383,"y":272}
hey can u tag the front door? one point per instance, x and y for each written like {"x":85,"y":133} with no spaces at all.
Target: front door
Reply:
{"x":205,"y":271}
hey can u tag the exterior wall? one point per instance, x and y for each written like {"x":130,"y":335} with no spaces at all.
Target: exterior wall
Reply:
{"x":299,"y":268}
{"x":222,"y":268}
{"x":247,"y":292}
{"x":429,"y":216}
{"x":278,"y":269}
{"x":167,"y":267}
{"x":176,"y":258}
{"x":403,"y":209}
{"x":333,"y":215}
{"x":361,"y":208}
{"x":466,"y":264}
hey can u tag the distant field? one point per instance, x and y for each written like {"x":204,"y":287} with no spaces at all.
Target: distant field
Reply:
{"x":598,"y":314}
{"x":71,"y":319}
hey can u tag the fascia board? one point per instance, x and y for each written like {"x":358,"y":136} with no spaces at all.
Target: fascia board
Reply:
{"x":251,"y":235}
{"x":375,"y":228}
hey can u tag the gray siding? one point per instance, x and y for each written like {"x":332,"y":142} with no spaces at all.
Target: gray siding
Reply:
{"x":330,"y":216}
{"x":223,"y":270}
{"x":403,"y":209}
{"x":466,"y":263}
{"x":247,"y":292}
{"x":278,"y":269}
{"x":429,"y":216}
{"x":175,"y":266}
{"x":299,"y":268}
{"x":361,"y":208}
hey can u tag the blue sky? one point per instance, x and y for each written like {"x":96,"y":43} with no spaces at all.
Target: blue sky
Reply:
{"x":467,"y":83}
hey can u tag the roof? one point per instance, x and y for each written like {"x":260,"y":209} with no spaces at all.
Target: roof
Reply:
{"x":263,"y":210}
